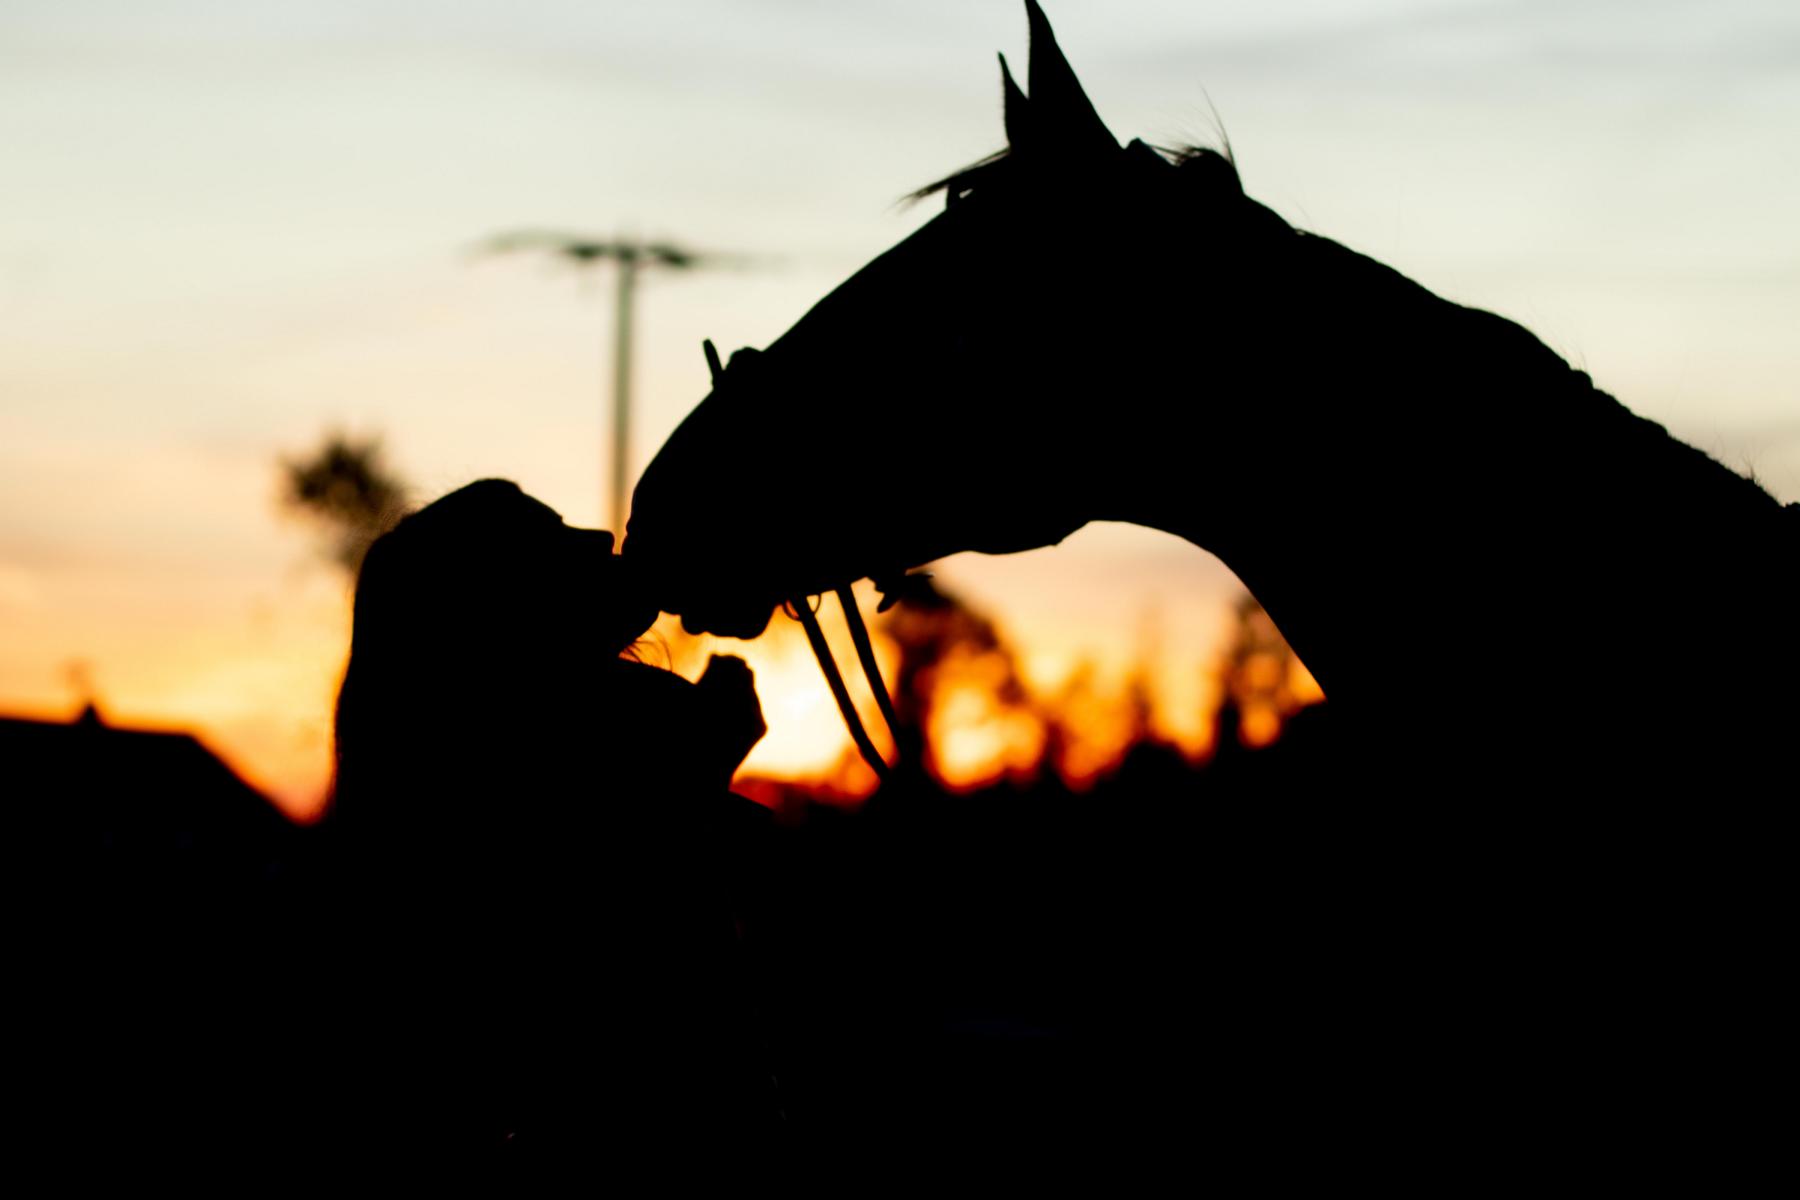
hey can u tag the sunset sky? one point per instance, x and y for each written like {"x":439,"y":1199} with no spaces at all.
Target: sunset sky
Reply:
{"x":228,"y":227}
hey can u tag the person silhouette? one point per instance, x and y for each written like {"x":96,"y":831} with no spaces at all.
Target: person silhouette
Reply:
{"x":543,"y":859}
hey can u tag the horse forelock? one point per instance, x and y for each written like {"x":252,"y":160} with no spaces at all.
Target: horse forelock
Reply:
{"x":957,"y":182}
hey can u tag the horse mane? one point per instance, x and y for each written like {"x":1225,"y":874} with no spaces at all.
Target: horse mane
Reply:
{"x":1532,"y":373}
{"x":991,"y":167}
{"x":1200,"y":164}
{"x":1585,"y":412}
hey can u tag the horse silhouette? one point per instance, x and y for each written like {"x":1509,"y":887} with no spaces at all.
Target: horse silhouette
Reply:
{"x":1561,"y":642}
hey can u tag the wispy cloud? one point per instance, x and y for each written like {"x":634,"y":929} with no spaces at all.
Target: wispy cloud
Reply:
{"x":1633,"y":37}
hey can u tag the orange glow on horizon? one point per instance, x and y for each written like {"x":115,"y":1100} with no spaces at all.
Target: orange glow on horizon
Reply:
{"x":265,"y":704}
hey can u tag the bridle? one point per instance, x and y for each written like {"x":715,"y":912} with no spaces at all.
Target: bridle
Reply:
{"x":802,"y":610}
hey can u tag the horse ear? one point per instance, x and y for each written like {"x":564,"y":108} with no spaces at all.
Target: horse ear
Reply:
{"x":1018,"y":115}
{"x":1062,"y":113}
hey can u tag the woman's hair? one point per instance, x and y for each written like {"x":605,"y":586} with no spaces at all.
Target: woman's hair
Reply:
{"x":481,"y":627}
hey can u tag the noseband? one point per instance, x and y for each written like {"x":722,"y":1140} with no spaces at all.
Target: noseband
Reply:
{"x":802,"y":610}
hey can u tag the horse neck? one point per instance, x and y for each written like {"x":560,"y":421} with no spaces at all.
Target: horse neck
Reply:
{"x":1454,"y":511}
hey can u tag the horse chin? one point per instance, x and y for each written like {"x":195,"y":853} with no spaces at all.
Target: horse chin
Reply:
{"x":742,"y":619}
{"x":1020,"y":537}
{"x":739,"y":603}
{"x":729,"y":614}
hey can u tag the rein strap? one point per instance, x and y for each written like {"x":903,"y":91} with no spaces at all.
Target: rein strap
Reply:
{"x":834,"y":679}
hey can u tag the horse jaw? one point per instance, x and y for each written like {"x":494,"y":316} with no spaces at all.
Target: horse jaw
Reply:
{"x":725,"y":572}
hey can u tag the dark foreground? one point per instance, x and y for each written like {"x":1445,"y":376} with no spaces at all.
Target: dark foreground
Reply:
{"x":1240,"y":968}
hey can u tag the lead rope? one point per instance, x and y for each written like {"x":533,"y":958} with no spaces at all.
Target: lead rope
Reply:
{"x":865,"y":653}
{"x":809,"y":621}
{"x":802,"y":611}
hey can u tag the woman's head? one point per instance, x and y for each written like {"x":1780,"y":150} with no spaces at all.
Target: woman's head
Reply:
{"x":483,"y":628}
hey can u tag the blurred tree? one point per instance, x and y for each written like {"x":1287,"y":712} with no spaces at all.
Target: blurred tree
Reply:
{"x":1263,"y":681}
{"x":79,"y":673}
{"x":945,"y":644}
{"x":346,"y":488}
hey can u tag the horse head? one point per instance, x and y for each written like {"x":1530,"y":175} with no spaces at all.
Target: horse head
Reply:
{"x":929,"y":404}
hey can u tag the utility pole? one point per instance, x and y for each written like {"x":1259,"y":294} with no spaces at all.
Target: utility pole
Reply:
{"x":630,"y":256}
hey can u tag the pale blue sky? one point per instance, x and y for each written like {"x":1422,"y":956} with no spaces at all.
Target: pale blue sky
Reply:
{"x":225,"y":226}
